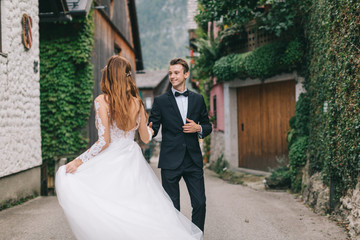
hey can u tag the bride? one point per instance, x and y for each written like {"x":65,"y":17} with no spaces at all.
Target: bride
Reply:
{"x":110,"y":192}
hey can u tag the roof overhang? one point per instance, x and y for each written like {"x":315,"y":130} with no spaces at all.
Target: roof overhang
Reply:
{"x":62,"y":10}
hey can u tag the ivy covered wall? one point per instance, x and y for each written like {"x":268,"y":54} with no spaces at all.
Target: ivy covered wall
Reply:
{"x":66,"y":82}
{"x":333,"y":85}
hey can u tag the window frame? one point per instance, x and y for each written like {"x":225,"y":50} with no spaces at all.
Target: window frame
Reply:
{"x":215,"y":111}
{"x":0,"y":29}
{"x":1,"y":45}
{"x":117,"y":49}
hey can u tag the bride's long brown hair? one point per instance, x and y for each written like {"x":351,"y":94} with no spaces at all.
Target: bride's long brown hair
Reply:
{"x":119,"y":87}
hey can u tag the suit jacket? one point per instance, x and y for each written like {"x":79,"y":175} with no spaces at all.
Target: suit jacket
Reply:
{"x":174,"y":141}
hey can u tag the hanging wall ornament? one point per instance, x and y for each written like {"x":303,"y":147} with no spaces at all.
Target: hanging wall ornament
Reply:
{"x":26,"y":31}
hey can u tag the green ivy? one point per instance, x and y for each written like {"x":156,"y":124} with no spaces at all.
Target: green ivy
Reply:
{"x":333,"y":84}
{"x":66,"y":82}
{"x":299,"y":124}
{"x":263,"y":62}
{"x":297,"y":139}
{"x":302,"y":111}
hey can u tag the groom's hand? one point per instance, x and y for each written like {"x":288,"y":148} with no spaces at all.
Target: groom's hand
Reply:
{"x":191,"y":127}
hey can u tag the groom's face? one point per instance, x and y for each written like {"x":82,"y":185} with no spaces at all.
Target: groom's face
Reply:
{"x":177,"y":76}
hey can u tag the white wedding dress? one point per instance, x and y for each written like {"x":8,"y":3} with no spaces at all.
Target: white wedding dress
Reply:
{"x":115,"y":194}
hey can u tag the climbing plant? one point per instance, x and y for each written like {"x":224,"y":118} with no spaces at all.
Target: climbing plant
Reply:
{"x":66,"y":82}
{"x":333,"y":84}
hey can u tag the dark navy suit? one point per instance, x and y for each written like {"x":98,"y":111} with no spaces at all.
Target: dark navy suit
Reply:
{"x":180,"y":153}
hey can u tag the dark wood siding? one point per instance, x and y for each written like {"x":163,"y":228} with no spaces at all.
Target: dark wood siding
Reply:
{"x":105,"y":39}
{"x":119,"y":16}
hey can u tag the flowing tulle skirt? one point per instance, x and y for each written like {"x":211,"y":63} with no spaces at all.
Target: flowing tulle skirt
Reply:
{"x":116,"y":195}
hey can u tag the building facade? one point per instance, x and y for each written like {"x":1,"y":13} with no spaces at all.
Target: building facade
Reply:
{"x":20,"y":134}
{"x":252,"y":119}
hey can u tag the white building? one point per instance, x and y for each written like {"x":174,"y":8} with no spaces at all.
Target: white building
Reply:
{"x":20,"y":135}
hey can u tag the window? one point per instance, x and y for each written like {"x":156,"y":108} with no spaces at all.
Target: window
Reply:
{"x":214,"y":104}
{"x":117,"y":49}
{"x":1,"y":49}
{"x":0,"y":30}
{"x":111,"y":9}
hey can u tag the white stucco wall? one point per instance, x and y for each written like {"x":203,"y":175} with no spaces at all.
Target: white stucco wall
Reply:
{"x":20,"y":136}
{"x":192,"y":10}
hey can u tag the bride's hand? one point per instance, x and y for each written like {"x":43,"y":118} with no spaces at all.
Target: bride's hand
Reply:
{"x":150,"y":128}
{"x":72,"y":166}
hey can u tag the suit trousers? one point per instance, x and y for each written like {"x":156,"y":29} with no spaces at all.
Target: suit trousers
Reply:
{"x":194,"y":179}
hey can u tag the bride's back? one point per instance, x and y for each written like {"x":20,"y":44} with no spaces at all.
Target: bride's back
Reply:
{"x":133,"y":113}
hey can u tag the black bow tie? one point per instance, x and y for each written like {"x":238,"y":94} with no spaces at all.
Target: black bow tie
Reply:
{"x":185,"y":94}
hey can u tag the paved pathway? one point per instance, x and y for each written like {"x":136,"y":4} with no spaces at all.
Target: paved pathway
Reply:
{"x":234,"y":212}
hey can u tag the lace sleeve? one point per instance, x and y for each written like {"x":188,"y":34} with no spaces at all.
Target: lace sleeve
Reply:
{"x":102,"y":124}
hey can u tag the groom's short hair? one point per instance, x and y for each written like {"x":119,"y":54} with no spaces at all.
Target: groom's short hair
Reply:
{"x":182,"y":62}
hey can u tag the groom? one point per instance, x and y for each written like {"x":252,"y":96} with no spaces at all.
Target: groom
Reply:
{"x":184,"y":119}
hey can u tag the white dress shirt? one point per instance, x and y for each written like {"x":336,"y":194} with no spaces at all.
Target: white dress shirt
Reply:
{"x":182,"y":103}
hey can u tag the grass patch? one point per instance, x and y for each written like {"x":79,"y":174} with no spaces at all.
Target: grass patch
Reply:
{"x":221,"y":167}
{"x":11,"y":203}
{"x":232,"y":177}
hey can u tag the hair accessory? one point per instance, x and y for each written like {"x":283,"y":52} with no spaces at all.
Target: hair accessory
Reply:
{"x":128,"y":74}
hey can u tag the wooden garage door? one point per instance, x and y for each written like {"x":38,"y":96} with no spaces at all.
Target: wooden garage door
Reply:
{"x":263,"y":117}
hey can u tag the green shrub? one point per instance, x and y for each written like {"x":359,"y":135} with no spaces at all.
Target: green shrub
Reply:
{"x":293,"y":54}
{"x":220,"y":165}
{"x":297,"y":157}
{"x":279,"y":178}
{"x":263,"y":62}
{"x":223,"y":68}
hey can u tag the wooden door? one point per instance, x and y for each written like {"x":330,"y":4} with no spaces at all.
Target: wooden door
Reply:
{"x":264,"y":112}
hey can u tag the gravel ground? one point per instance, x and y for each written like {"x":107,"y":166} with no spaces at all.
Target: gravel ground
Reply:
{"x":234,"y":212}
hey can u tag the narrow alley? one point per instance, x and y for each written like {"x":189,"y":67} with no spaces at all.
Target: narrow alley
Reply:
{"x":234,"y":212}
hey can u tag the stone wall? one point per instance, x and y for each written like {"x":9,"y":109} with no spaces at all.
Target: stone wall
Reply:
{"x":350,"y":210}
{"x":317,"y":195}
{"x":314,"y":192}
{"x":217,"y":145}
{"x":20,"y":136}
